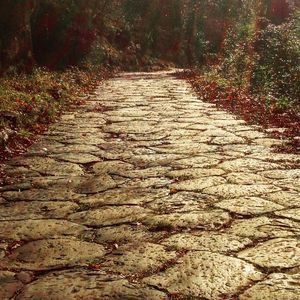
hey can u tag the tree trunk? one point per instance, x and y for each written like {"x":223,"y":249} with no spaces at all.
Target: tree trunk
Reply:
{"x":15,"y":34}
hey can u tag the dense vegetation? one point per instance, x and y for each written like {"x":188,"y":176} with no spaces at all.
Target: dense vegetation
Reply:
{"x":130,"y":33}
{"x":261,"y":52}
{"x":243,"y":49}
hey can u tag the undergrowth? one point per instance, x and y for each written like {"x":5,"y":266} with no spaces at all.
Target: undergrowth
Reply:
{"x":29,"y":102}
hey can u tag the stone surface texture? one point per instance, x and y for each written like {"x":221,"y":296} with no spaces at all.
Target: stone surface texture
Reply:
{"x":145,"y":192}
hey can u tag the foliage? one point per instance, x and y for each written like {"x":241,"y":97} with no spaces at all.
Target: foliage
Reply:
{"x":262,"y":58}
{"x":277,"y":69}
{"x":30,"y":102}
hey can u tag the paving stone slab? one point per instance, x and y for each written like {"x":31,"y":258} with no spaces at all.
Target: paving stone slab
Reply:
{"x":152,"y":182}
{"x":277,"y":286}
{"x":207,"y":241}
{"x":131,"y":112}
{"x":203,"y":125}
{"x":265,"y":227}
{"x":251,"y":134}
{"x":249,"y":205}
{"x":185,"y":148}
{"x":75,"y":149}
{"x":155,"y":139}
{"x":19,"y":186}
{"x":181,"y":202}
{"x":108,"y":216}
{"x":138,"y":258}
{"x":74,"y":285}
{"x":282,"y":174}
{"x":223,"y":123}
{"x":124,"y":196}
{"x":196,"y":219}
{"x":231,"y":154}
{"x":292,"y":184}
{"x":123,"y":234}
{"x":196,"y":162}
{"x":52,"y":254}
{"x":147,"y":173}
{"x":17,"y":172}
{"x":248,"y":149}
{"x":285,"y":198}
{"x":133,"y":127}
{"x":112,"y":167}
{"x":216,"y":132}
{"x":63,"y":129}
{"x":241,"y":128}
{"x":139,"y":148}
{"x":36,"y":210}
{"x":246,"y":178}
{"x":55,"y":182}
{"x":195,"y":173}
{"x":68,"y":116}
{"x":247,"y":164}
{"x":113,"y":155}
{"x":92,"y":115}
{"x":44,"y":146}
{"x":49,"y":166}
{"x":228,"y":140}
{"x":275,"y":253}
{"x":77,"y":158}
{"x":154,"y":160}
{"x":236,"y":190}
{"x":293,"y":213}
{"x":207,"y":275}
{"x":198,"y":184}
{"x":41,"y":195}
{"x":268,"y":142}
{"x":96,"y":184}
{"x":38,"y":229}
{"x":58,"y":137}
{"x":86,"y":140}
{"x":178,"y":133}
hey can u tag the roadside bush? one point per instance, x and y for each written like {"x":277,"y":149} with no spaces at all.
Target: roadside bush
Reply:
{"x":277,"y":70}
{"x":29,"y":102}
{"x":264,"y":62}
{"x":238,"y":55}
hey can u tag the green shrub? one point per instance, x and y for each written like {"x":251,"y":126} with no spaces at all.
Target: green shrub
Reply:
{"x":277,"y":69}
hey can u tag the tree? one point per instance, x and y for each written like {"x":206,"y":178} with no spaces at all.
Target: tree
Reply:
{"x":15,"y":33}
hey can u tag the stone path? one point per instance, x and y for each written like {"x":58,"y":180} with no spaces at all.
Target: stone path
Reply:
{"x":146,"y":192}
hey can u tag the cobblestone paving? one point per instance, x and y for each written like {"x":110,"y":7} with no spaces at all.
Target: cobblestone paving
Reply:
{"x":146,"y":192}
